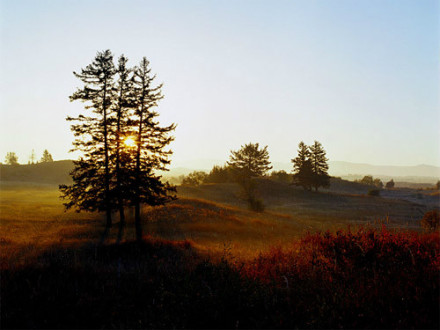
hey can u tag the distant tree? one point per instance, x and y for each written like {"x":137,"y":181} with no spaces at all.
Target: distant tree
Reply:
{"x":303,"y":168}
{"x":150,"y":154}
{"x":11,"y":158}
{"x":195,"y":178}
{"x":370,"y":181}
{"x":250,"y":160}
{"x":319,"y":164}
{"x":47,"y":157}
{"x":91,"y":188}
{"x":378,"y":183}
{"x":431,"y":220}
{"x":437,"y":185}
{"x":281,"y":176}
{"x":367,"y":180}
{"x":248,"y":163}
{"x":220,"y":174}
{"x":390,"y":184}
{"x":32,"y":157}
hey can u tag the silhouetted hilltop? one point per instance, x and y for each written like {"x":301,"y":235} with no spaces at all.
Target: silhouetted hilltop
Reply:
{"x":56,"y":172}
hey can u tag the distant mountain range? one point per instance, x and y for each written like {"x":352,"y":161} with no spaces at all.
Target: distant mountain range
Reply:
{"x":58,"y":171}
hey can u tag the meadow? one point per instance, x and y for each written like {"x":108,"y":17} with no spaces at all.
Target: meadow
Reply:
{"x":310,"y":260}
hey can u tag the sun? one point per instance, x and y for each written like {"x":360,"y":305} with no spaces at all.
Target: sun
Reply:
{"x":129,"y":141}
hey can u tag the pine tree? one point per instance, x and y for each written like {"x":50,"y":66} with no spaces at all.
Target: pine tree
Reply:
{"x":319,"y":165}
{"x":11,"y":158}
{"x":250,"y":160}
{"x":248,"y":163}
{"x":47,"y":157}
{"x":302,"y":167}
{"x":151,"y":141}
{"x":123,"y":105}
{"x":91,"y":188}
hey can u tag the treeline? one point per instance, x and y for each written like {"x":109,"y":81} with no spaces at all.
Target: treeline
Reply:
{"x":12,"y":158}
{"x":310,"y":167}
{"x":310,"y":170}
{"x":121,"y":142}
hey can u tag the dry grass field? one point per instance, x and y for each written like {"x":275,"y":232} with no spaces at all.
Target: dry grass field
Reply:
{"x":212,"y":216}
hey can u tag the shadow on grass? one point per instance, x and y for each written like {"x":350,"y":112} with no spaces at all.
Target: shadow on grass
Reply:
{"x":167,"y":284}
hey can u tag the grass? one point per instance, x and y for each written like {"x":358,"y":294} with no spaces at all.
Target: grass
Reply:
{"x":208,"y":261}
{"x":362,"y":279}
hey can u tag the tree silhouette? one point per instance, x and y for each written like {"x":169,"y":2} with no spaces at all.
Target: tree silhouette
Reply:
{"x":247,"y":163}
{"x":123,"y":105}
{"x":151,"y":141}
{"x":390,"y":184}
{"x":310,"y":167}
{"x":47,"y":157}
{"x":91,"y":175}
{"x":11,"y":158}
{"x":32,"y":157}
{"x":302,"y":167}
{"x":250,"y":160}
{"x":319,"y":165}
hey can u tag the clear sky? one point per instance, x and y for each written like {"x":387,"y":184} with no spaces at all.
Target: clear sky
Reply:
{"x":362,"y":77}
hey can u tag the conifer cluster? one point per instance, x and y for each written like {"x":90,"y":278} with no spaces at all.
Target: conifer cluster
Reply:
{"x":121,"y":142}
{"x":310,"y":167}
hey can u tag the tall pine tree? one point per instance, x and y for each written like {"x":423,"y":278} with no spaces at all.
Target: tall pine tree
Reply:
{"x":91,"y":188}
{"x":151,"y":141}
{"x":123,"y":105}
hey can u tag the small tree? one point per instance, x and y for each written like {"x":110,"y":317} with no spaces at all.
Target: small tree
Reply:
{"x":378,"y":183}
{"x":247,"y":163}
{"x":319,"y":164}
{"x":367,"y":180}
{"x":281,"y":176}
{"x":220,"y":174}
{"x":437,"y":185}
{"x":302,"y":167}
{"x":250,"y":160}
{"x":195,"y":178}
{"x":390,"y":184}
{"x":32,"y":157}
{"x":431,"y":220}
{"x":47,"y":157}
{"x":11,"y":158}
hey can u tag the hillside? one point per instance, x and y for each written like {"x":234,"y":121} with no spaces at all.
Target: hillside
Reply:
{"x":56,"y":172}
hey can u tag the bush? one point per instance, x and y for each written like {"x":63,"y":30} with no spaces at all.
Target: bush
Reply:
{"x":373,"y":192}
{"x":256,"y":205}
{"x":195,"y":178}
{"x":430,"y":220}
{"x":281,"y":176}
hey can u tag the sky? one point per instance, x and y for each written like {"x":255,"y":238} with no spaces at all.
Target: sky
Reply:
{"x":361,"y":77}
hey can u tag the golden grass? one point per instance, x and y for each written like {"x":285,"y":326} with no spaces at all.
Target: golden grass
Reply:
{"x":212,"y":217}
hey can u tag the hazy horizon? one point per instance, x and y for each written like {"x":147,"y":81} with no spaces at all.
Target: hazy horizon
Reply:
{"x":360,"y":77}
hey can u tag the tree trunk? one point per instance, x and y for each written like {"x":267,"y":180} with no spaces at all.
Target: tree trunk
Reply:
{"x":121,"y":224}
{"x":137,"y":217}
{"x":137,"y":209}
{"x":107,"y":172}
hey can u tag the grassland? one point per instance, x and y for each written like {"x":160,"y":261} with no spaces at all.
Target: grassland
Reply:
{"x":213,"y":217}
{"x":207,"y":261}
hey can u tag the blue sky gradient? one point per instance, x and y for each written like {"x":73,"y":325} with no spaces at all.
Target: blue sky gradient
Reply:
{"x":362,"y":77}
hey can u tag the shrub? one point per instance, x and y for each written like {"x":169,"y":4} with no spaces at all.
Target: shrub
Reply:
{"x":195,"y":178}
{"x":430,"y":220}
{"x":373,"y":192}
{"x":256,"y":205}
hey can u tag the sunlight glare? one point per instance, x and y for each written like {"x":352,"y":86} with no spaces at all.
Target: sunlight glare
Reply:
{"x":130,"y":142}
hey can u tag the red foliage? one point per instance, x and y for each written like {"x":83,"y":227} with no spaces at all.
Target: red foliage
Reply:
{"x":359,"y":275}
